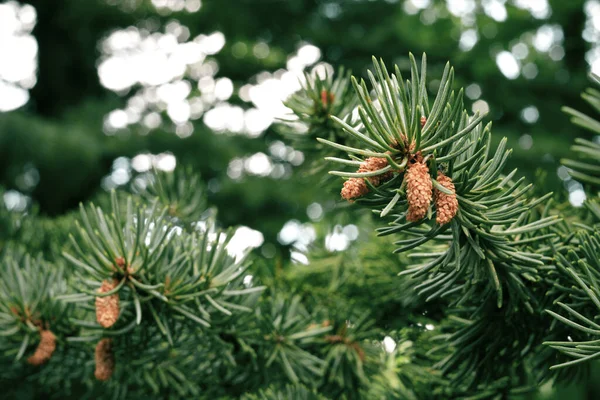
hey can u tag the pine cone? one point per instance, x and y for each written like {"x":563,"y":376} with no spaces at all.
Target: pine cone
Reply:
{"x":107,"y":307}
{"x":375,"y":164}
{"x":354,"y":188}
{"x":105,"y":360}
{"x":445,"y":204}
{"x":45,"y":348}
{"x":418,"y":191}
{"x":357,"y":187}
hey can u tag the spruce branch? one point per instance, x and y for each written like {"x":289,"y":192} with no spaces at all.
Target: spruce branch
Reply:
{"x":578,"y":298}
{"x":319,"y":99}
{"x":443,"y":149}
{"x":153,"y":266}
{"x":31,"y":320}
{"x":296,"y":392}
{"x":315,"y":103}
{"x":287,"y":336}
{"x":181,"y":191}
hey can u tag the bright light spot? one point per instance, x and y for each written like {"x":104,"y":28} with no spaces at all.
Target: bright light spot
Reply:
{"x":563,"y":173}
{"x":389,"y":344}
{"x":331,"y":10}
{"x":120,"y":176}
{"x":261,"y":50}
{"x":256,"y":121}
{"x":481,"y":106}
{"x":18,"y":54}
{"x":235,"y":168}
{"x":142,"y":162}
{"x":165,"y":162}
{"x":577,"y":197}
{"x":247,"y":280}
{"x":223,"y":88}
{"x":336,"y":241}
{"x":351,"y":231}
{"x":167,"y":6}
{"x":244,"y":238}
{"x":557,"y":52}
{"x":461,"y":8}
{"x":429,"y":327}
{"x":530,"y":114}
{"x":116,"y":119}
{"x":539,"y":9}
{"x":340,"y":238}
{"x":296,"y":157}
{"x":225,"y":118}
{"x":15,"y":201}
{"x":314,"y":211}
{"x":309,"y":54}
{"x":530,"y":71}
{"x":299,"y":257}
{"x":179,"y":112}
{"x":495,"y":9}
{"x":473,"y":91}
{"x":258,"y":164}
{"x":526,"y":141}
{"x":546,"y":36}
{"x":192,"y":6}
{"x":206,"y":84}
{"x":468,"y":39}
{"x":239,"y":49}
{"x":12,"y":96}
{"x":115,"y":74}
{"x":152,"y":120}
{"x":300,"y":235}
{"x":278,"y":149}
{"x":422,"y":4}
{"x":184,"y":130}
{"x":591,"y":34}
{"x":507,"y":64}
{"x":520,"y":51}
{"x":212,"y":43}
{"x":174,"y":92}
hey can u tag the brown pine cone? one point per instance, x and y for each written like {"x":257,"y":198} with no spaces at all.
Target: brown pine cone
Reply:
{"x":357,"y":187}
{"x":419,"y":191}
{"x":105,"y":360}
{"x":107,"y":307}
{"x":446,"y":205}
{"x":45,"y":348}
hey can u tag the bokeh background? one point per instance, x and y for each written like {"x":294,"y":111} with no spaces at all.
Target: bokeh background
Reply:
{"x":95,"y":92}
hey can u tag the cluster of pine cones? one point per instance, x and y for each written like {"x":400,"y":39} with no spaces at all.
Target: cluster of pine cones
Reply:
{"x":419,"y":189}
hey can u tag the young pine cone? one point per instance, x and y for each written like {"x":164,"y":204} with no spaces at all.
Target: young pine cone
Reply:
{"x":445,"y":204}
{"x":357,"y":187}
{"x":105,"y":360}
{"x":107,"y":307}
{"x":45,"y":349}
{"x":418,"y":191}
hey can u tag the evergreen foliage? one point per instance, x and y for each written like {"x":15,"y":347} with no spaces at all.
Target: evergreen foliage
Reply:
{"x":478,"y":284}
